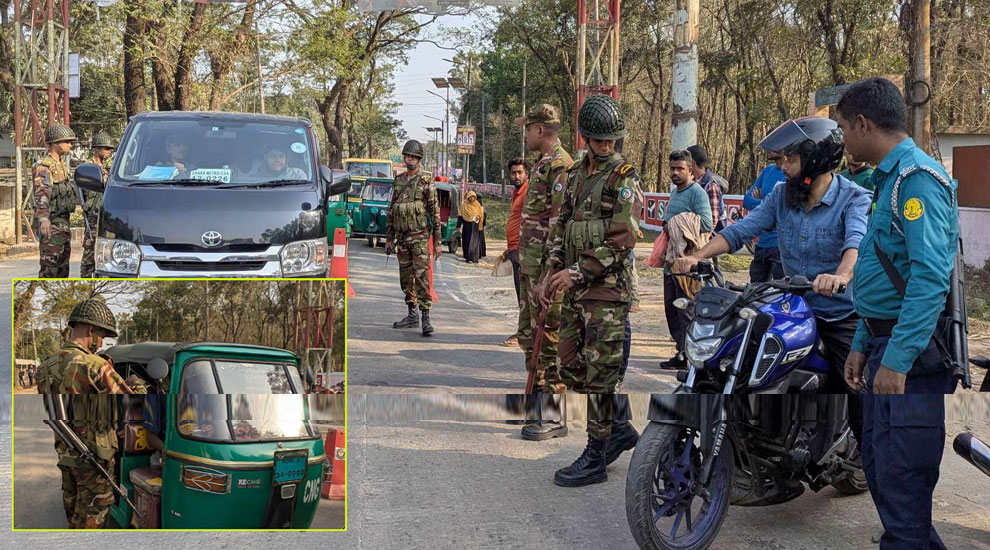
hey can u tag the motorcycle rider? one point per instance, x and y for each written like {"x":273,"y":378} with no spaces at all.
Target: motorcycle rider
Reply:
{"x":820,"y":219}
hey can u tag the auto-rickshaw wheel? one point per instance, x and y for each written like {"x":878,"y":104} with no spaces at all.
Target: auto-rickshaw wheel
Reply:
{"x":372,"y":242}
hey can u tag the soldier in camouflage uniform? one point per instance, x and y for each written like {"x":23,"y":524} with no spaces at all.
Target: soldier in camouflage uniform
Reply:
{"x":589,"y":261}
{"x":54,"y":200}
{"x":413,"y":217}
{"x":76,"y":369}
{"x":103,"y":146}
{"x":539,"y":212}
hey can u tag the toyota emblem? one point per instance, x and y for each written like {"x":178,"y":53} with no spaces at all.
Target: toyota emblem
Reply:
{"x":212,"y":238}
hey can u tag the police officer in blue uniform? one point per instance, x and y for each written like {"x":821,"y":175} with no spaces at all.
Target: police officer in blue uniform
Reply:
{"x":900,"y":285}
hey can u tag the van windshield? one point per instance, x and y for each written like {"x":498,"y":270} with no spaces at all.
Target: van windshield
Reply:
{"x":211,"y":152}
{"x":243,"y":418}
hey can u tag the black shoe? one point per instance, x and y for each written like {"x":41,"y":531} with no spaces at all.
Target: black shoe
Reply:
{"x":588,"y":469}
{"x":427,"y":327}
{"x":623,"y":438}
{"x":545,"y":429}
{"x":411,"y":320}
{"x":676,"y":362}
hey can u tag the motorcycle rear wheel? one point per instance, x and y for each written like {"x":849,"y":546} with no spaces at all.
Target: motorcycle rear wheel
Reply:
{"x":666,"y":460}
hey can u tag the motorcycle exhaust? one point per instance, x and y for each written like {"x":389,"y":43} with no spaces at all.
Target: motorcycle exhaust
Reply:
{"x":975,"y":451}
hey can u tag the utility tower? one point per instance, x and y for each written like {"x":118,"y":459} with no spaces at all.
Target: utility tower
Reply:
{"x":41,"y":82}
{"x":597,"y":53}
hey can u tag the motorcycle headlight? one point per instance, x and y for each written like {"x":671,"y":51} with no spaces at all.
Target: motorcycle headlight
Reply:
{"x":699,"y":351}
{"x":304,"y":258}
{"x":116,"y":256}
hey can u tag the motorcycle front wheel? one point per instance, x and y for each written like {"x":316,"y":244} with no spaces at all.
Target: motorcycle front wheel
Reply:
{"x":662,"y":510}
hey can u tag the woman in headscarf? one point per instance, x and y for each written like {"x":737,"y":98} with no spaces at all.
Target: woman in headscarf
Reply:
{"x":471,"y":222}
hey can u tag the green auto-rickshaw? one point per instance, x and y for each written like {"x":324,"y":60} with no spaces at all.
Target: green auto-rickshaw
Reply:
{"x":449,"y":198}
{"x":338,"y":215}
{"x":368,"y":218}
{"x":241,"y":451}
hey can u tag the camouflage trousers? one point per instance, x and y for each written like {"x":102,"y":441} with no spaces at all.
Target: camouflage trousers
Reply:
{"x":86,"y":495}
{"x":88,"y":266}
{"x":548,"y":370}
{"x":414,"y":271}
{"x":592,"y":334}
{"x":55,"y":251}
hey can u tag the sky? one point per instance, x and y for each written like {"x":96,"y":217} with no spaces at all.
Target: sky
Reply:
{"x":412,"y":82}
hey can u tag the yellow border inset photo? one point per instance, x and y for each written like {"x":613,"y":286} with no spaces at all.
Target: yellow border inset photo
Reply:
{"x":179,"y":404}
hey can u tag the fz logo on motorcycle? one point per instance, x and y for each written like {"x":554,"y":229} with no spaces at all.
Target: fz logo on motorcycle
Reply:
{"x":794,"y":355}
{"x":212,"y":238}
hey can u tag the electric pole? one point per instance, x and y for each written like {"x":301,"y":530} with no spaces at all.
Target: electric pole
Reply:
{"x":922,"y":123}
{"x":684,"y":127}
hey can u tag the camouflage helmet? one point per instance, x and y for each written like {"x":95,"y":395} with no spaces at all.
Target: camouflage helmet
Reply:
{"x":96,"y":313}
{"x":601,"y":118}
{"x":59,"y":132}
{"x":413,"y":148}
{"x":103,"y":139}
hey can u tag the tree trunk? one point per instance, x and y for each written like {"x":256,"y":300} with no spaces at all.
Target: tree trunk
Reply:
{"x":222,"y":61}
{"x":183,"y":65}
{"x":135,"y":93}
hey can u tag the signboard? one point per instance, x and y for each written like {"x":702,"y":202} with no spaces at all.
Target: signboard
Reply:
{"x":73,"y":75}
{"x":655,"y":204}
{"x":465,"y":140}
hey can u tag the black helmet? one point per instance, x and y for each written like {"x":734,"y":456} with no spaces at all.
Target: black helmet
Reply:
{"x":96,"y":313}
{"x":413,"y":148}
{"x":817,"y":139}
{"x":103,"y":139}
{"x":601,"y":118}
{"x":59,"y":132}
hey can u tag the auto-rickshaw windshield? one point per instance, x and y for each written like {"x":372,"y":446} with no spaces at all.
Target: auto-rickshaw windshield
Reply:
{"x":369,"y":169}
{"x":214,"y":152}
{"x":380,"y":192}
{"x":202,"y":376}
{"x":251,"y":418}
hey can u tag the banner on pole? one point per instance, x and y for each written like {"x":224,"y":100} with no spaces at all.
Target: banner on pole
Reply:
{"x":465,"y":140}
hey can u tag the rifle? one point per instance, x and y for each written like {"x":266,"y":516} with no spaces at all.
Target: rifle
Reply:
{"x":82,"y":204}
{"x":534,"y":361}
{"x":57,"y":414}
{"x":959,"y":327}
{"x":388,"y":252}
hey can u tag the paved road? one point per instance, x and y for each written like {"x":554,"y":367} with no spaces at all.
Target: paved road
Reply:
{"x":465,"y":479}
{"x":474,"y":314}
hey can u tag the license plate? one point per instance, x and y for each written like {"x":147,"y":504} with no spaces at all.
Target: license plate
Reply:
{"x":290,"y":466}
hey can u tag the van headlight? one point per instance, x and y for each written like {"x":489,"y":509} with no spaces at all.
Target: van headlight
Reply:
{"x":699,"y":351}
{"x":304,"y":258}
{"x":116,"y":256}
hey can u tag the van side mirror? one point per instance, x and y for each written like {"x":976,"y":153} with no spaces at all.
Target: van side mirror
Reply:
{"x":157,"y":368}
{"x":336,"y":181}
{"x":89,"y":177}
{"x":310,"y":377}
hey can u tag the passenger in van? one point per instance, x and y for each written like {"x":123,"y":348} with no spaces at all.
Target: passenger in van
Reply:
{"x":276,"y":167}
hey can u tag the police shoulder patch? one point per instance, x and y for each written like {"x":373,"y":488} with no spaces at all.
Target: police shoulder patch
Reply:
{"x":913,"y":209}
{"x":625,"y":194}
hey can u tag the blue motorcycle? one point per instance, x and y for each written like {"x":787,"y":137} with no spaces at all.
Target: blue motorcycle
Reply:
{"x":701,"y":453}
{"x":757,"y":338}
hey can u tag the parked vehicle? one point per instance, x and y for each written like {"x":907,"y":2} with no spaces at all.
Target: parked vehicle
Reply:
{"x":240,"y":449}
{"x":368,"y":218}
{"x":203,"y":194}
{"x":449,"y":199}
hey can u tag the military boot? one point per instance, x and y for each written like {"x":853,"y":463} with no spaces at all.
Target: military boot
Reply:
{"x":588,"y":469}
{"x":427,"y":327}
{"x":409,"y":321}
{"x":541,"y":428}
{"x":623,"y":438}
